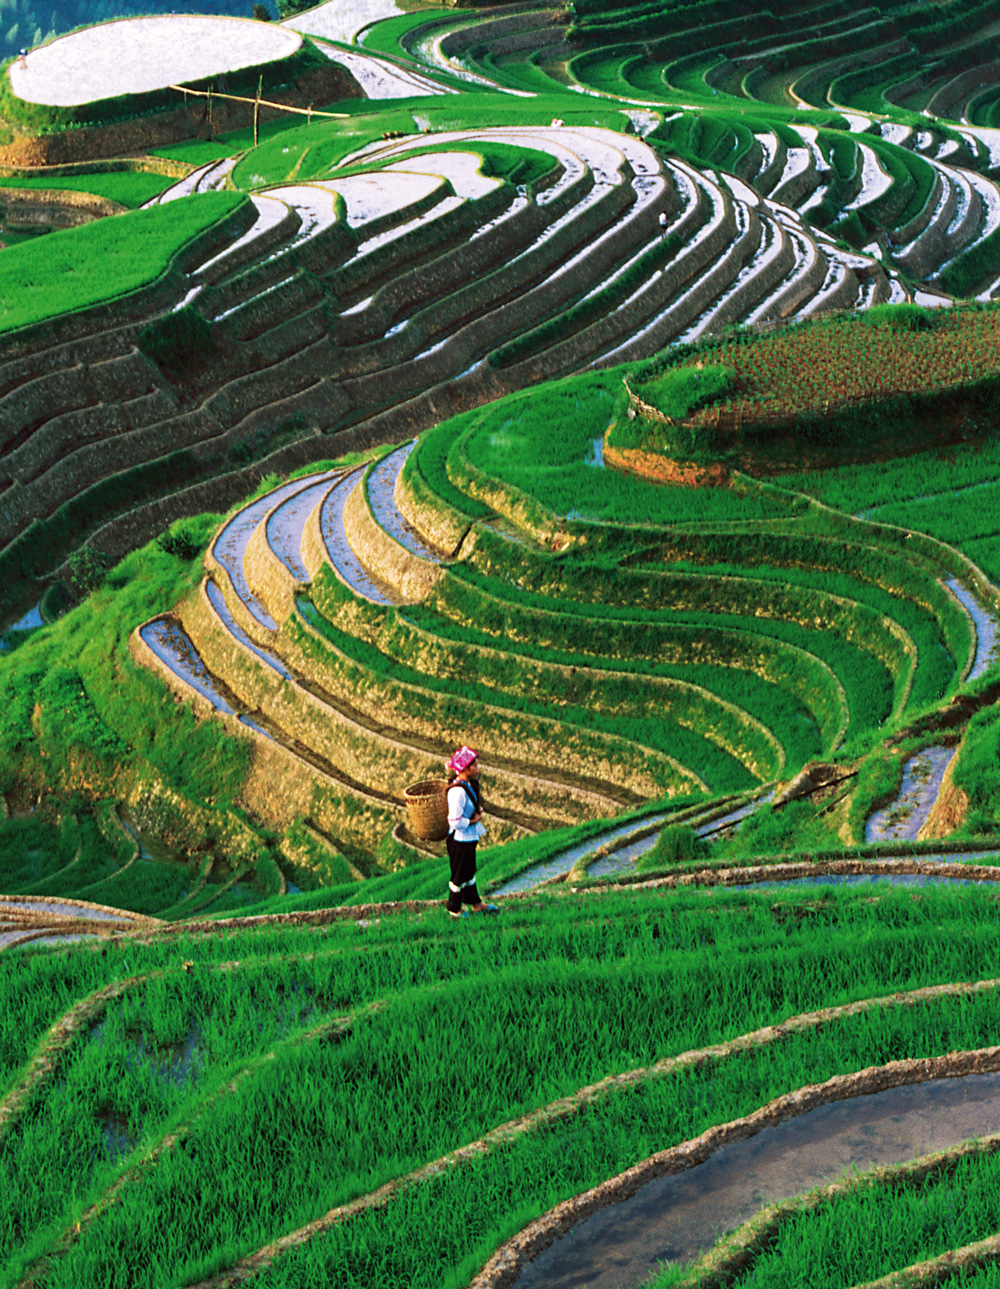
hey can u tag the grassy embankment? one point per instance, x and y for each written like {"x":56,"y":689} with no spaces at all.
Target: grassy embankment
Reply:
{"x":128,"y":188}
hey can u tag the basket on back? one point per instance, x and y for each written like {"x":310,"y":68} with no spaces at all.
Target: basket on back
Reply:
{"x":427,"y":809}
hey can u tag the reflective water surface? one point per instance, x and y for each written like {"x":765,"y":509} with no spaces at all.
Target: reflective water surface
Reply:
{"x":676,"y":1218}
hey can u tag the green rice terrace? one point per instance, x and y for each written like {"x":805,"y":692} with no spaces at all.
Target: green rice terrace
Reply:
{"x":612,"y":387}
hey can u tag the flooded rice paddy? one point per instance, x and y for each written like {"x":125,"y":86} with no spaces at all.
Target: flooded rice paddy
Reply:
{"x":381,"y":486}
{"x":676,"y":1218}
{"x":339,"y":549}
{"x":903,"y":818}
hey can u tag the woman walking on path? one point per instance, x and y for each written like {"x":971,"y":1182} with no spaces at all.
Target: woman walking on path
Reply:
{"x":464,"y":830}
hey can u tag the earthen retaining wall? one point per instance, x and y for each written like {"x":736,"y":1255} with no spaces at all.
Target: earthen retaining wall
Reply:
{"x":960,"y":86}
{"x":468,"y":303}
{"x":439,"y":523}
{"x":381,"y":554}
{"x":54,"y":207}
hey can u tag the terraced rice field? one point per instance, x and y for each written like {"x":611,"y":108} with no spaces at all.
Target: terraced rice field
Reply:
{"x":420,"y":296}
{"x":786,"y":632}
{"x":307,"y":1007}
{"x":326,"y":492}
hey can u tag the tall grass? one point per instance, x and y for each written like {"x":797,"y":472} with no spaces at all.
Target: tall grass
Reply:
{"x":935,"y":670}
{"x":152,"y":1052}
{"x":977,"y":769}
{"x":32,"y":849}
{"x":953,"y":495}
{"x":499,"y":1195}
{"x":864,"y":487}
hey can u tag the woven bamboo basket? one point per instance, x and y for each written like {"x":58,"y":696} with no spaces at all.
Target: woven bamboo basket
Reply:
{"x":427,"y":809}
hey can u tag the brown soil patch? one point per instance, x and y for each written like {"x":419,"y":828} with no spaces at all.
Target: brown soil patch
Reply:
{"x":949,"y":810}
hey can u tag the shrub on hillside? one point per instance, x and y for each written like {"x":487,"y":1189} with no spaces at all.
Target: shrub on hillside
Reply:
{"x":87,"y":568}
{"x":851,"y":230}
{"x":177,"y":340}
{"x":269,"y":438}
{"x":183,"y":539}
{"x":683,"y":390}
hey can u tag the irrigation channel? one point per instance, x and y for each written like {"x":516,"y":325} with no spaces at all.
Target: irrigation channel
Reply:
{"x":54,"y":921}
{"x":677,"y":1217}
{"x":903,"y":818}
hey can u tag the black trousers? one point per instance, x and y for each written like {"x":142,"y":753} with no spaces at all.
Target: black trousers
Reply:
{"x":462,"y":887}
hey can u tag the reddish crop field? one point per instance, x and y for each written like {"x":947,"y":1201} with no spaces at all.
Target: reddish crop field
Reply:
{"x":836,"y":362}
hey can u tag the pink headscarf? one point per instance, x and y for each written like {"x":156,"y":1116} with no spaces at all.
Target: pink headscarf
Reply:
{"x":462,"y":759}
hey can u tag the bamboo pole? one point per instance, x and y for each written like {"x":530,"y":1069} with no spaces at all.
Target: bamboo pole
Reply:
{"x":309,"y":112}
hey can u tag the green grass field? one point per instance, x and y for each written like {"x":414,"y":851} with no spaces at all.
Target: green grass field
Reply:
{"x":101,"y":261}
{"x":583,"y":988}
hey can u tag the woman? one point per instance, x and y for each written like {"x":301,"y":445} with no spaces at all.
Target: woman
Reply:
{"x":465,"y":827}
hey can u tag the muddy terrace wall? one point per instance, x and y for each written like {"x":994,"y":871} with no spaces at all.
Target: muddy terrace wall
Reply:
{"x":473,"y":303}
{"x":467,"y":262}
{"x":422,"y":508}
{"x":958,"y":87}
{"x":497,"y":31}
